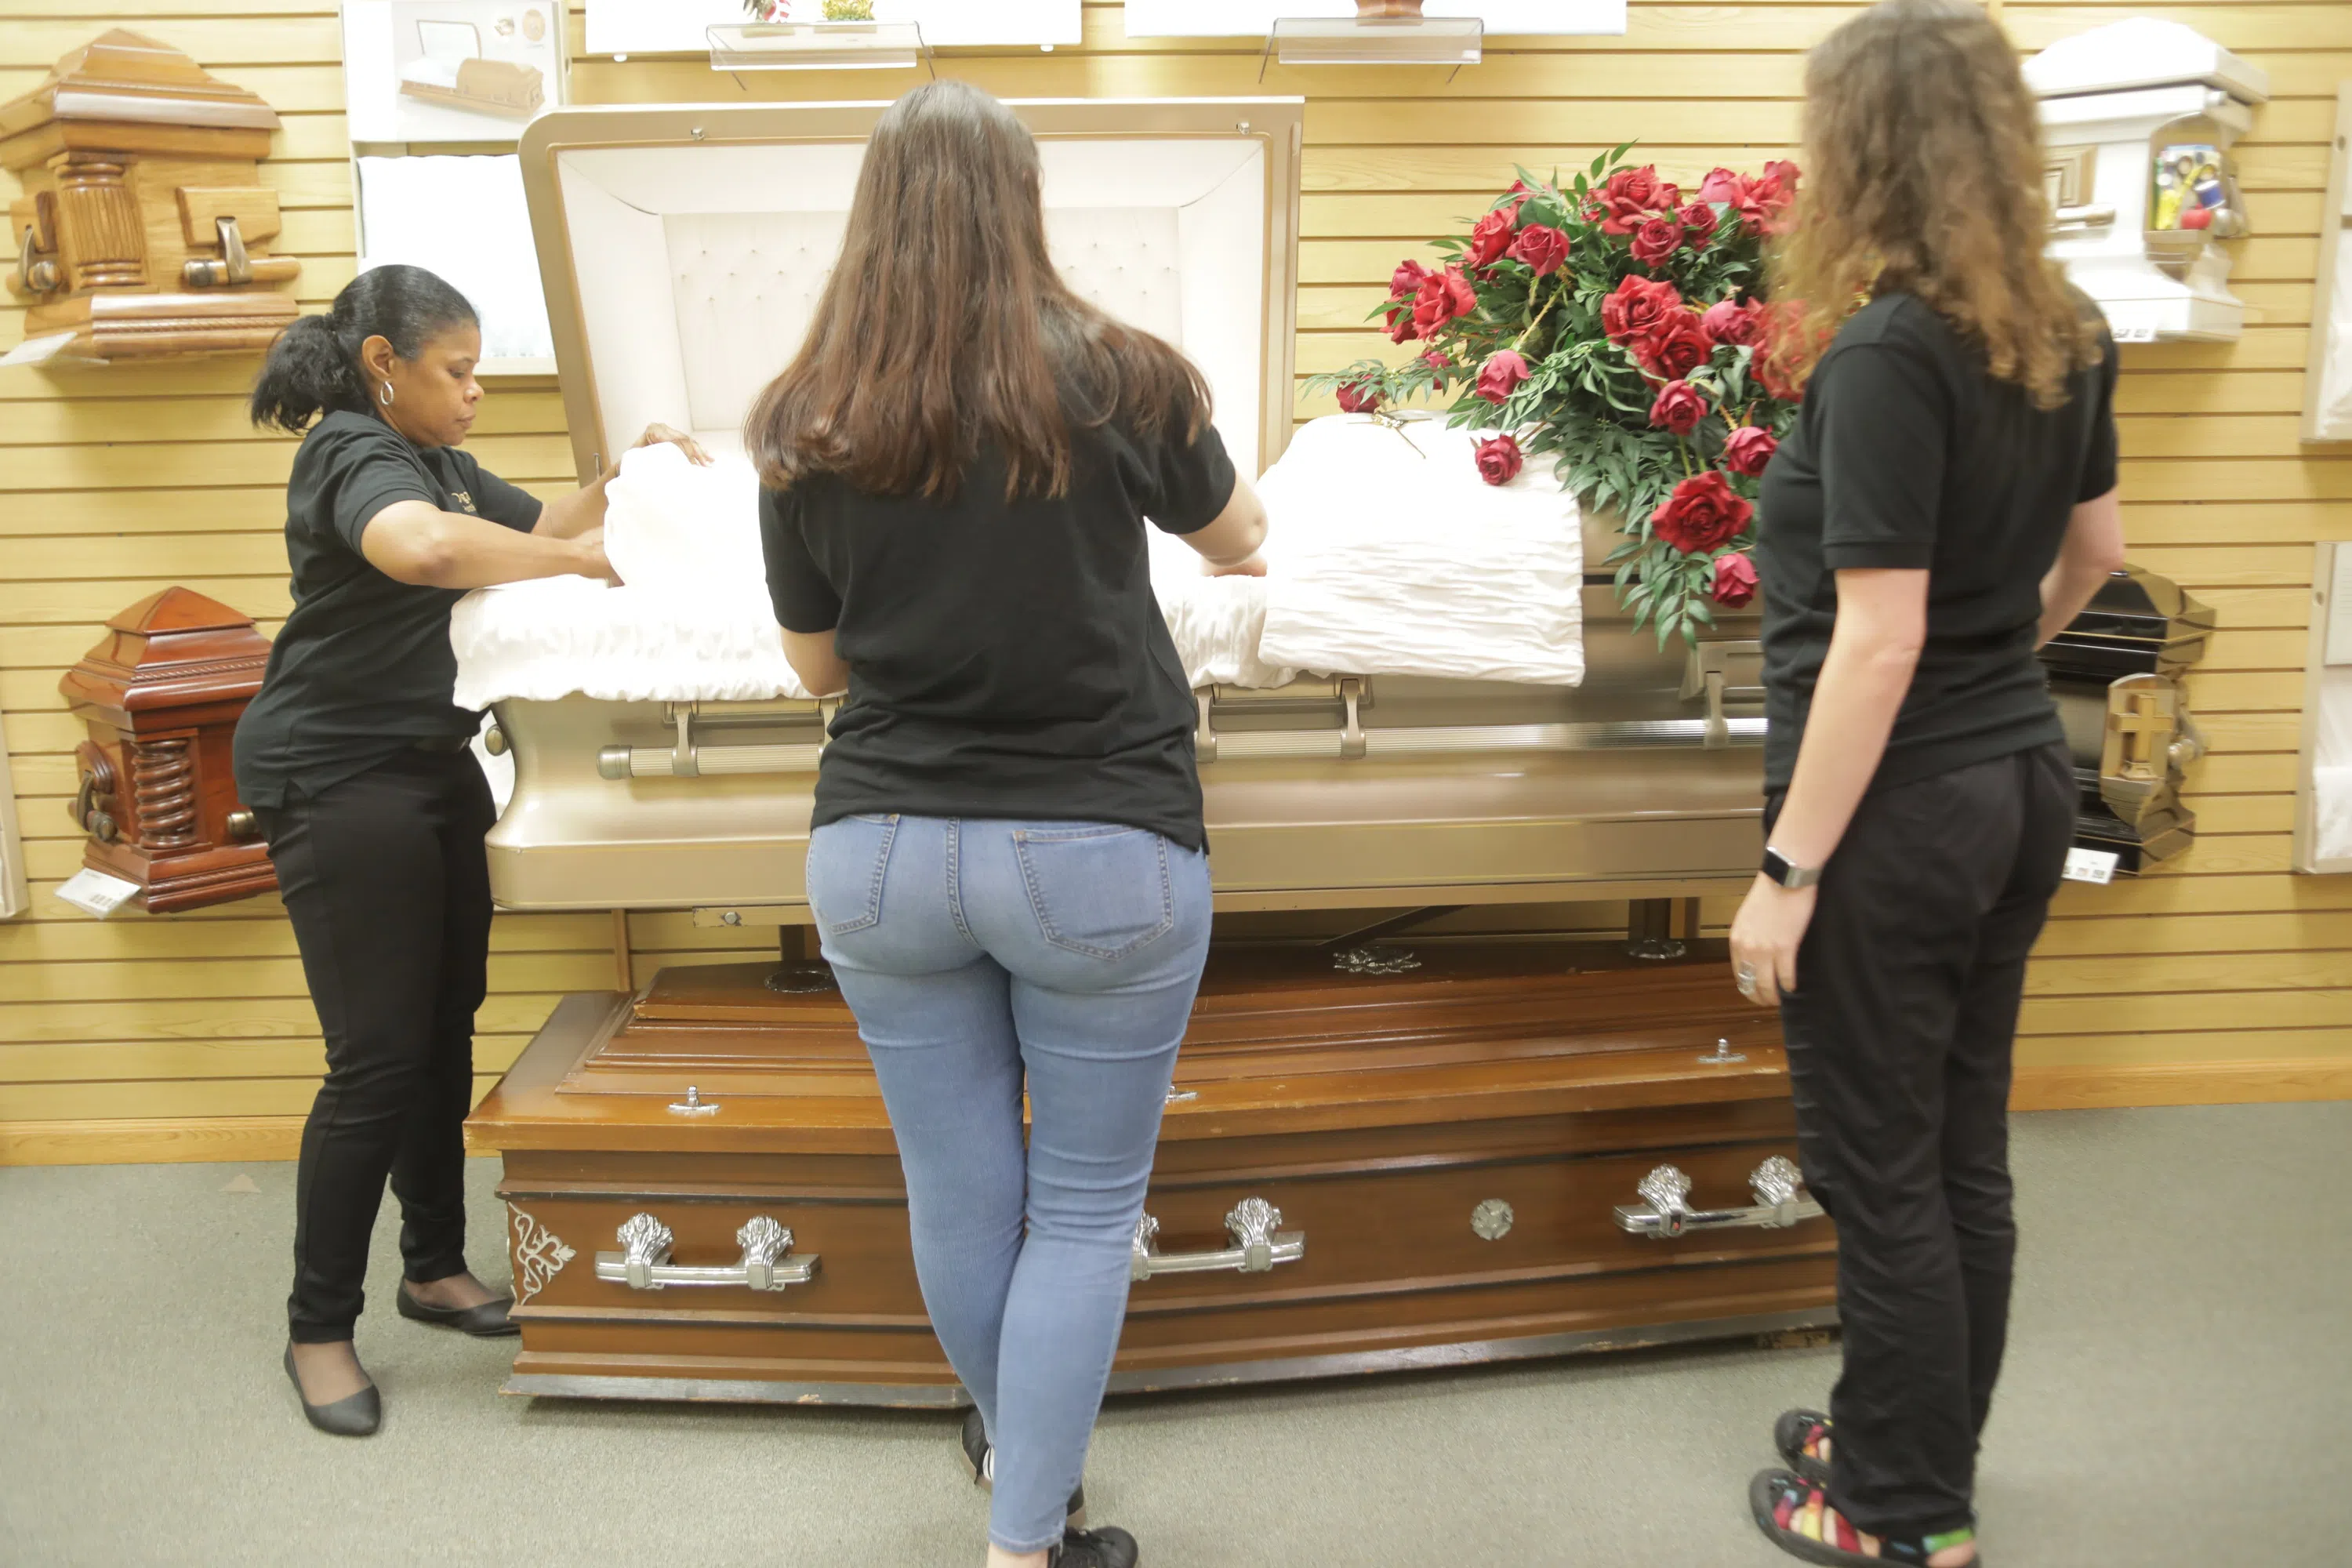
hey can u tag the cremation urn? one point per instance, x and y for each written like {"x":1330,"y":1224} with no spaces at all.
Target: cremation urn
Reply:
{"x":161,"y":697}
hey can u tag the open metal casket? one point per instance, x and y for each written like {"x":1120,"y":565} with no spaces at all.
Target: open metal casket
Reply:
{"x":682,"y":251}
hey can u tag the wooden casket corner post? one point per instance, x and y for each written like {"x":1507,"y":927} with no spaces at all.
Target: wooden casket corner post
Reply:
{"x":143,"y":230}
{"x":159,"y":697}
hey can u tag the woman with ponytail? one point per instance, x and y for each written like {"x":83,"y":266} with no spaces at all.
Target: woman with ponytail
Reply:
{"x":356,"y":764}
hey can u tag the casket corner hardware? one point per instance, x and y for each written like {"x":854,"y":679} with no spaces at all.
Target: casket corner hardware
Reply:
{"x":1257,"y":1244}
{"x":1665,"y":1210}
{"x":644,"y":1261}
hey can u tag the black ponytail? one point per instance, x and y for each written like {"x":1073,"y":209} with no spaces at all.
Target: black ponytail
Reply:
{"x":314,"y":365}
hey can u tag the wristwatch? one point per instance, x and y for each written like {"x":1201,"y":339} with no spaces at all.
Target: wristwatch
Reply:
{"x":1778,"y":868}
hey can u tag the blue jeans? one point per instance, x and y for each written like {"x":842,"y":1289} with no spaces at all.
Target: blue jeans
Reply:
{"x":978,"y":954}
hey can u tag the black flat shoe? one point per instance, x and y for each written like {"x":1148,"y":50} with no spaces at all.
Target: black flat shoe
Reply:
{"x":1109,"y":1547}
{"x":981,"y":1461}
{"x":353,"y":1415}
{"x":486,"y":1322}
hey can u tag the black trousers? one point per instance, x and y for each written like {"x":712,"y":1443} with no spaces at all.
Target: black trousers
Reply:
{"x":1899,"y":1037}
{"x":388,"y":887}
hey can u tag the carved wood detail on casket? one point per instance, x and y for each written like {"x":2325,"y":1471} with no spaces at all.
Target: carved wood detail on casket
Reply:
{"x":160,"y":696}
{"x":144,"y":228}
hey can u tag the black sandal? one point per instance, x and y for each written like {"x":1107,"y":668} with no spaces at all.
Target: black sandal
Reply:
{"x":1796,"y":1516}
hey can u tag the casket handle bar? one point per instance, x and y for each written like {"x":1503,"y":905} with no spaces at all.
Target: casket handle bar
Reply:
{"x":1257,"y":1245}
{"x":1708,"y":672}
{"x":2094,"y":216}
{"x":643,"y":1263}
{"x":688,"y":757}
{"x":1665,"y":1210}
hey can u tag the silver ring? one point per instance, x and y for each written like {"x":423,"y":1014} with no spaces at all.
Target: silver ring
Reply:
{"x":1746,"y":975}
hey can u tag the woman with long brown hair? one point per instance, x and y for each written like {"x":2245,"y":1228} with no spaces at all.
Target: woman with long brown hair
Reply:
{"x":1008,"y":863}
{"x":1946,"y":504}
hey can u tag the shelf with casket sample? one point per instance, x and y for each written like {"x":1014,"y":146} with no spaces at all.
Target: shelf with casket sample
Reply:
{"x":143,"y":230}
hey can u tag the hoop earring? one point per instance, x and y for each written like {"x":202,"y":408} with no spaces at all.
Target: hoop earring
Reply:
{"x":384,"y":397}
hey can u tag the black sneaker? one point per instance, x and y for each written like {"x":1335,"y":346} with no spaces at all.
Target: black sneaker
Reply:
{"x":1109,"y":1547}
{"x":980,"y":1459}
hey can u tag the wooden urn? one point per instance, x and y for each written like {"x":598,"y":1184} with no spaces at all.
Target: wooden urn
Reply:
{"x":143,"y":230}
{"x":161,"y":697}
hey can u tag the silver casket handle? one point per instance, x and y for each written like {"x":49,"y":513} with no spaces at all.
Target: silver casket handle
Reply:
{"x":643,"y":1263}
{"x":1665,"y":1209}
{"x":1257,"y":1245}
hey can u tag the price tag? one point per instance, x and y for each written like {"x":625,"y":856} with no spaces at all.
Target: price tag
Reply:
{"x":96,"y":892}
{"x":2091,"y":866}
{"x":34,"y":351}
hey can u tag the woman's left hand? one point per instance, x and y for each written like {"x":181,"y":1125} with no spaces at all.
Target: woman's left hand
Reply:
{"x":1765,"y":936}
{"x":657,"y":434}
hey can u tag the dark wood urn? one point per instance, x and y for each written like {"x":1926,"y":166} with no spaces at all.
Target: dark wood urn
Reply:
{"x":161,"y":697}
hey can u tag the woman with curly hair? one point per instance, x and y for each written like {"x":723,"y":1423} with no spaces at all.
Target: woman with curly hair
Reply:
{"x":1946,"y":504}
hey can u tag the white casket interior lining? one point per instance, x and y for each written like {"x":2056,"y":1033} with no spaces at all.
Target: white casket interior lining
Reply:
{"x":698,"y":267}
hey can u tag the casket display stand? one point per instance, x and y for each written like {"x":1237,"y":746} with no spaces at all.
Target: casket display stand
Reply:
{"x":1372,"y":1159}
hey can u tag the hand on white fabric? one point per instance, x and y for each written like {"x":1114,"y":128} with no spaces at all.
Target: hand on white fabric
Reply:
{"x":655,"y":434}
{"x":1255,"y":566}
{"x":594,"y":563}
{"x":1765,"y":936}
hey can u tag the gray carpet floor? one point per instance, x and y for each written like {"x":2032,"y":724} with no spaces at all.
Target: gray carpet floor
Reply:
{"x":2179,"y":1392}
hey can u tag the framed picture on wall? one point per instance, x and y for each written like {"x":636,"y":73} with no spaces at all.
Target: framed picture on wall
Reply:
{"x":450,"y":70}
{"x":677,"y":27}
{"x":1256,"y":19}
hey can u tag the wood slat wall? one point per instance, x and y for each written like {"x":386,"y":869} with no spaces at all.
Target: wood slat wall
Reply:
{"x":191,"y":1036}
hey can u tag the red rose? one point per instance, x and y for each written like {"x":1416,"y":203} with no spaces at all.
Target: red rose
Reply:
{"x":1674,"y":347}
{"x":1729,"y":321}
{"x":1442,"y":298}
{"x":1704,"y":513}
{"x":1542,"y":247}
{"x":1435,"y":360}
{"x":1679,"y":409}
{"x":1739,"y":194}
{"x":1699,"y":219}
{"x":1636,"y":306}
{"x":1489,"y":238}
{"x":1406,"y":279}
{"x":1657,"y":238}
{"x":1748,"y":450}
{"x":1401,"y":325}
{"x":1500,"y":375}
{"x":1499,"y":460}
{"x":1631,"y":195}
{"x":1359,"y":397}
{"x":1735,"y":581}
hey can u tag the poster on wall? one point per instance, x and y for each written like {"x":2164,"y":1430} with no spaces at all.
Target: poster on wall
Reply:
{"x":450,"y":70}
{"x":464,"y":217}
{"x":1256,"y":19}
{"x":676,"y":26}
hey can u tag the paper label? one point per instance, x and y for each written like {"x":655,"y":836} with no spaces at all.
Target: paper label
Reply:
{"x":2091,"y":866}
{"x":33,"y":351}
{"x":96,"y":892}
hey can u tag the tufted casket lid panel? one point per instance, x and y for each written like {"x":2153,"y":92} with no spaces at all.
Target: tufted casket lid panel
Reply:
{"x":685,"y":250}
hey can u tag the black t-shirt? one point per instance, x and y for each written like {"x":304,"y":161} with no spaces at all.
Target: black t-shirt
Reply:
{"x":363,"y":668}
{"x":1908,"y":455}
{"x":1007,"y":658}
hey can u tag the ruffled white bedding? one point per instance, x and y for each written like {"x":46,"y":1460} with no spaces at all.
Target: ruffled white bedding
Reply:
{"x":1386,"y":555}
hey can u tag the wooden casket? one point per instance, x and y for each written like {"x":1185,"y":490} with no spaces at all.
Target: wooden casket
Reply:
{"x":1481,"y":1147}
